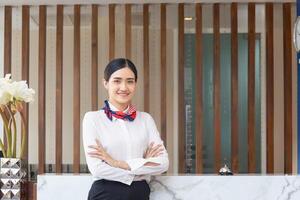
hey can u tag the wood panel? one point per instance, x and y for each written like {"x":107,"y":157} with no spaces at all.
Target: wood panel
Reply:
{"x":76,"y":91}
{"x":270,"y":86}
{"x":94,"y":57}
{"x":128,"y":31}
{"x":7,"y":39}
{"x":42,"y":89}
{"x":7,"y":45}
{"x":32,"y":190}
{"x":59,"y":88}
{"x":181,"y":105}
{"x":25,"y":72}
{"x":198,"y":88}
{"x":287,"y":59}
{"x":163,"y":73}
{"x":25,"y":76}
{"x":111,"y":10}
{"x":217,"y":86}
{"x":251,"y":88}
{"x":146,"y":56}
{"x":234,"y":90}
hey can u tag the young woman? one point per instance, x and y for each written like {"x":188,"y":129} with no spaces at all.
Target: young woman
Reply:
{"x":122,"y":146}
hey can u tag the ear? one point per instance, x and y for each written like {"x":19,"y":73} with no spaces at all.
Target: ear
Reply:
{"x":105,"y":83}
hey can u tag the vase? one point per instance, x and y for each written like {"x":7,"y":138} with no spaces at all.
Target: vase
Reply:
{"x":11,"y":177}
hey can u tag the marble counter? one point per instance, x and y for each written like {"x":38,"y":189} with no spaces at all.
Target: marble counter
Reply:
{"x":206,"y":187}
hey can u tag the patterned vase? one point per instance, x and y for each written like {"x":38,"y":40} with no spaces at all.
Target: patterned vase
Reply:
{"x":11,"y":177}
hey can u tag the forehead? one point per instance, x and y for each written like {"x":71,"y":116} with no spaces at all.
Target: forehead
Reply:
{"x":123,"y":73}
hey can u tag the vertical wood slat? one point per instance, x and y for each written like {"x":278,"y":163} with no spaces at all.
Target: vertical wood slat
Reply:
{"x":94,"y":57}
{"x":251,"y":88}
{"x":42,"y":89}
{"x":7,"y":39}
{"x":111,"y":11}
{"x":128,"y":31}
{"x":25,"y":70}
{"x":234,"y":90}
{"x":146,"y":56}
{"x":163,"y":73}
{"x":76,"y":91}
{"x":7,"y":45}
{"x":181,"y":105}
{"x":25,"y":76}
{"x":59,"y":88}
{"x":198,"y":78}
{"x":287,"y":53}
{"x":217,"y":86}
{"x":270,"y":86}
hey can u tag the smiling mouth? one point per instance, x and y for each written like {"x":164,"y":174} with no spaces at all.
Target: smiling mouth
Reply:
{"x":123,"y":94}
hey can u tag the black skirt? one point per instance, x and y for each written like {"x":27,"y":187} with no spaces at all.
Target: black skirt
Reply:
{"x":113,"y":190}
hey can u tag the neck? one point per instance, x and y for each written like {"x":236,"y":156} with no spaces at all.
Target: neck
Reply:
{"x":119,"y":106}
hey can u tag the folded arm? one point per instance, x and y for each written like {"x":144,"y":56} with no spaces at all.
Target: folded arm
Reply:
{"x":97,"y":167}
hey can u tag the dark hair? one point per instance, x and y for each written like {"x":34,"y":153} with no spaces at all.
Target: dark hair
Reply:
{"x":119,"y":63}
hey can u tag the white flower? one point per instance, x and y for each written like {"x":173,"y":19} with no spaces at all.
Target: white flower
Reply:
{"x":5,"y":96}
{"x":19,"y":91}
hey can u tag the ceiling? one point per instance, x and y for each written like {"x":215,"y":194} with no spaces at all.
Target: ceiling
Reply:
{"x":72,"y":2}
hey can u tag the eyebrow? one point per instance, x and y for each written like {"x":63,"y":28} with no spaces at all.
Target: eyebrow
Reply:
{"x":119,"y":78}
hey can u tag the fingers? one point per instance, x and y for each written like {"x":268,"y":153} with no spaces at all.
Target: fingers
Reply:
{"x":97,"y":154}
{"x":99,"y":143}
{"x":95,"y":147}
{"x":154,"y":151}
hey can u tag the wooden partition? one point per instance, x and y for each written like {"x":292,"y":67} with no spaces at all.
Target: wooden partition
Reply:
{"x":148,"y":29}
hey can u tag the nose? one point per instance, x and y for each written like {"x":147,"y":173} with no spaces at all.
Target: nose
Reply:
{"x":123,"y":86}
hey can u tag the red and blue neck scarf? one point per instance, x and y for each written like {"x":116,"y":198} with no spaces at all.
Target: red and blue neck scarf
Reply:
{"x":129,"y":115}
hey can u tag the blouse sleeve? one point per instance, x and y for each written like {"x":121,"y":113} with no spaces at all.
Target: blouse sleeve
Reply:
{"x":97,"y":167}
{"x":137,"y":165}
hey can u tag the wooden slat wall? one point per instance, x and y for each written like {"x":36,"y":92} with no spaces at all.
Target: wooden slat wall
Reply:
{"x":251,"y":88}
{"x":94,"y":57}
{"x":287,"y":59}
{"x":234,"y":90}
{"x":76,"y":91}
{"x":59,"y":88}
{"x":128,"y":31}
{"x":181,"y":105}
{"x":287,"y":50}
{"x":146,"y":56}
{"x":199,"y":101}
{"x":270,"y":86}
{"x":217,"y":86}
{"x":163,"y":72}
{"x":111,"y":19}
{"x":42,"y":89}
{"x":7,"y":39}
{"x":25,"y":70}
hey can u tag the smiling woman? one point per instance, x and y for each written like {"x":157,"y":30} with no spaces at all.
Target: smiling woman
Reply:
{"x":122,"y":145}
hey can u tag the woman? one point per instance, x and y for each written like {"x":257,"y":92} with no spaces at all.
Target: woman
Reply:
{"x":122,"y":146}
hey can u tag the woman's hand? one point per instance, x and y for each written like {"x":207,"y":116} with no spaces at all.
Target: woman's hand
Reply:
{"x":153,"y":151}
{"x":100,"y":153}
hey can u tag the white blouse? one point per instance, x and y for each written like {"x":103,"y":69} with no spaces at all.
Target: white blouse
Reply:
{"x":123,"y":140}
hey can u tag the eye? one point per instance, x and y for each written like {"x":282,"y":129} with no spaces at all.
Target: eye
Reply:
{"x":117,"y":81}
{"x":130,"y":81}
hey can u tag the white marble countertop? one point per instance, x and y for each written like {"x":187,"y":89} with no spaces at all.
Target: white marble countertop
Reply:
{"x":182,"y":187}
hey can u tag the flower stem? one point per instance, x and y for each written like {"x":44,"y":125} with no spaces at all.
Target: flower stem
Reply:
{"x":6,"y":132}
{"x":23,"y":138}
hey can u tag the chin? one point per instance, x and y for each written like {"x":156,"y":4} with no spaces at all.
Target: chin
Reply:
{"x":124,"y":100}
